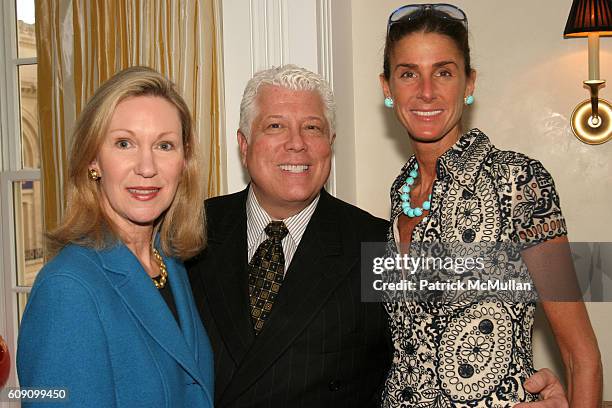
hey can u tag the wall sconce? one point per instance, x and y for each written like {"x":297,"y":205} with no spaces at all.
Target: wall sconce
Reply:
{"x":592,"y":118}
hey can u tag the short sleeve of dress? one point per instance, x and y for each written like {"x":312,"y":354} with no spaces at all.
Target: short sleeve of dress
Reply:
{"x":536,"y":211}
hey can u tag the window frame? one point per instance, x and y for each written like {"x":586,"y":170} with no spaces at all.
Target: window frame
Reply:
{"x":10,"y":171}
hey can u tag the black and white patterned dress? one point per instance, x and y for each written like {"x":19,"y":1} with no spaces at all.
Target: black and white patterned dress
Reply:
{"x":472,"y":353}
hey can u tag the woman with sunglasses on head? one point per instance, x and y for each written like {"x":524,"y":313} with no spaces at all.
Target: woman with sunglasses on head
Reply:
{"x":459,"y":189}
{"x":111,"y":318}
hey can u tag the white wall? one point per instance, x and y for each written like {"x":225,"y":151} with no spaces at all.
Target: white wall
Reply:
{"x":529,"y":80}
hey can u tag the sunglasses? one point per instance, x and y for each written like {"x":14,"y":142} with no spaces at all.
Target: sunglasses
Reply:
{"x":442,"y":10}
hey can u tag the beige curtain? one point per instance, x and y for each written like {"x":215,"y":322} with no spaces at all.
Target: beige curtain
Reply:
{"x":81,"y":43}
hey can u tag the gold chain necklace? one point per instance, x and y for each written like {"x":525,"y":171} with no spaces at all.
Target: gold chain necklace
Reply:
{"x":163,"y":276}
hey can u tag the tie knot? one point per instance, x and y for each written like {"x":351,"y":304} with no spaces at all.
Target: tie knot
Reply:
{"x":276,"y":229}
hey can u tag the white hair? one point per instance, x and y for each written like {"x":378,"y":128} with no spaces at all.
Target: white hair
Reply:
{"x":290,"y":77}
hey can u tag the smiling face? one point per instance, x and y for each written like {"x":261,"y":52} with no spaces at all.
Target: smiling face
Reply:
{"x":288,"y":154}
{"x":140,"y":161}
{"x":428,"y":85}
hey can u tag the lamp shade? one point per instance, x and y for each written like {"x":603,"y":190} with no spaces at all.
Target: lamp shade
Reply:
{"x":589,"y":16}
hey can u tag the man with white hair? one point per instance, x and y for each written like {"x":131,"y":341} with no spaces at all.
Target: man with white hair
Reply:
{"x":278,"y":287}
{"x":314,"y":344}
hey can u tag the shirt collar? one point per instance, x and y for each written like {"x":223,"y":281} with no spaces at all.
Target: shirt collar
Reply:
{"x":464,"y":157}
{"x":258,"y":219}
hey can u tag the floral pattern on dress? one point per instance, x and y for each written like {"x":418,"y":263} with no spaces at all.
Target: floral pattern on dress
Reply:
{"x":472,"y":352}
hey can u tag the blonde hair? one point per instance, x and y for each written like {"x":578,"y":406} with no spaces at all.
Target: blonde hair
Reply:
{"x":182,"y":227}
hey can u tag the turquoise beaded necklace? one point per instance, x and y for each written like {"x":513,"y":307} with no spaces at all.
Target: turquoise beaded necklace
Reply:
{"x":405,"y":195}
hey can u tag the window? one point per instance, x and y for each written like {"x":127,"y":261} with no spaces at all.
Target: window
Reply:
{"x":20,"y":189}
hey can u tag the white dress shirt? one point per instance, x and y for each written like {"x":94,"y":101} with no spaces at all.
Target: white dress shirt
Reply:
{"x":258,"y":219}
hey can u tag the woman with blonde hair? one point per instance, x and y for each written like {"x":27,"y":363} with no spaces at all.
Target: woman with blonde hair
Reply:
{"x":111,"y":317}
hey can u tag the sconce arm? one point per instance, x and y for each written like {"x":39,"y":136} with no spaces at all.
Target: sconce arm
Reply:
{"x":594,"y":85}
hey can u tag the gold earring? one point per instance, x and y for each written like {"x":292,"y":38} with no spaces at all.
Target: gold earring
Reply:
{"x":93,"y":175}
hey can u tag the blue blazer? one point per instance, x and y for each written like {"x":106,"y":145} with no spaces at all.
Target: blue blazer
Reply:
{"x":96,"y":325}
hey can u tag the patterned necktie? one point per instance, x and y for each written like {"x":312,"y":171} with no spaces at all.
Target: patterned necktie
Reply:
{"x":266,"y":272}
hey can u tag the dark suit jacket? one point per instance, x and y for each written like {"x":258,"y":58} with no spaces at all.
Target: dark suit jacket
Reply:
{"x":321,"y":346}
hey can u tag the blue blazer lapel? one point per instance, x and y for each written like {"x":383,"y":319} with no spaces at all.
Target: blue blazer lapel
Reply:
{"x":142,"y":299}
{"x":187,"y":313}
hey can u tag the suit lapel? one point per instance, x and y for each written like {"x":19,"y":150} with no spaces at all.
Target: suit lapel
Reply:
{"x":318,"y":266}
{"x":148,"y":307}
{"x":226,"y":280}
